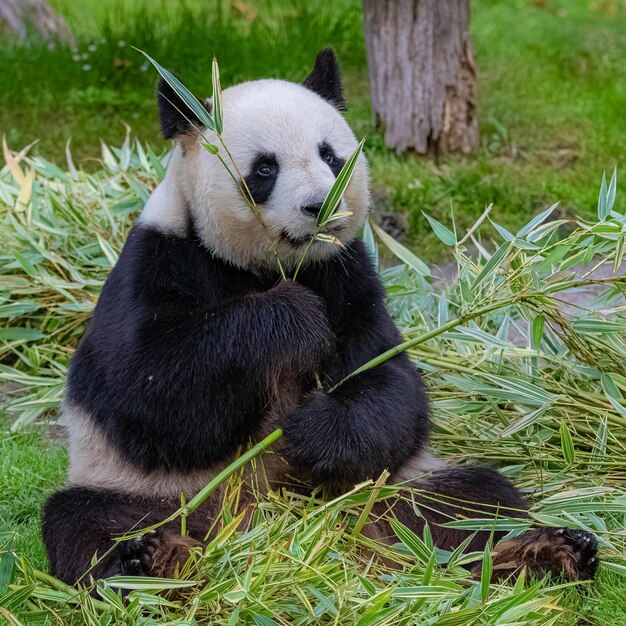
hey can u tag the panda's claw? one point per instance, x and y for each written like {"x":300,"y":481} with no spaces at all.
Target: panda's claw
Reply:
{"x":136,"y":555}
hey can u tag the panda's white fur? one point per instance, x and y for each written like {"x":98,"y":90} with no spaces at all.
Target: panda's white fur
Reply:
{"x":94,"y":462}
{"x":272,"y":116}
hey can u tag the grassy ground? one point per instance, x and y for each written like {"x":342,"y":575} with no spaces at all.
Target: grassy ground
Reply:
{"x":551,"y":75}
{"x":30,"y":463}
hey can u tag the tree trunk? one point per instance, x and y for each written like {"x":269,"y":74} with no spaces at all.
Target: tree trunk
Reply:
{"x":25,"y":16}
{"x":422,"y":74}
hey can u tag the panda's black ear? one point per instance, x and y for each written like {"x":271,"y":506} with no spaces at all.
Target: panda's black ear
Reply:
{"x":176,"y":118}
{"x":325,"y":79}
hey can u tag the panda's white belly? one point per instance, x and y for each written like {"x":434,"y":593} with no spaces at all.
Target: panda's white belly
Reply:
{"x":419,"y":465}
{"x":94,"y":462}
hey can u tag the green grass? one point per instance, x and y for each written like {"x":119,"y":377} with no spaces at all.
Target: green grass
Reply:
{"x":31,"y":462}
{"x":552,"y":91}
{"x":546,"y":408}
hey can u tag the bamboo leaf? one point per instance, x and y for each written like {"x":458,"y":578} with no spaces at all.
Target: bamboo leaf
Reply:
{"x":612,"y":393}
{"x":216,"y":101}
{"x":404,"y":254}
{"x":599,"y":447}
{"x":17,"y":333}
{"x":148,"y":582}
{"x":443,"y":233}
{"x":380,"y":617}
{"x":489,"y":524}
{"x":524,"y":422}
{"x":8,"y":542}
{"x":504,"y":233}
{"x":332,"y":200}
{"x":416,"y":546}
{"x":614,"y":567}
{"x":536,"y":221}
{"x":491,"y":265}
{"x":610,"y":196}
{"x":486,"y":572}
{"x":338,"y":215}
{"x":262,"y":620}
{"x":603,"y":199}
{"x":190,"y":101}
{"x":12,"y":163}
{"x":26,"y":265}
{"x":370,"y":243}
{"x":595,"y":326}
{"x":538,"y":325}
{"x":567,"y":444}
{"x":108,"y":250}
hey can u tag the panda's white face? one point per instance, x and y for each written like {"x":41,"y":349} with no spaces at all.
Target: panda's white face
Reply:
{"x":289,"y":145}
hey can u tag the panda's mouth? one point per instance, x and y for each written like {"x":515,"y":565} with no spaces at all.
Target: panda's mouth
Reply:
{"x":292,"y":241}
{"x":296,"y":242}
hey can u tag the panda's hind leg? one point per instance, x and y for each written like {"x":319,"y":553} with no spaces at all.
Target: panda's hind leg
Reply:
{"x":80,"y":522}
{"x":455,"y":493}
{"x":559,"y":552}
{"x":467,"y":491}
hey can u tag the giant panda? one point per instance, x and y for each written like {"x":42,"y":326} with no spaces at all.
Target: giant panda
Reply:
{"x":198,"y":347}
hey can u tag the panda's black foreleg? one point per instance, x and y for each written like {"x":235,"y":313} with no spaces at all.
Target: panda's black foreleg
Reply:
{"x":465,"y":492}
{"x":79,"y":526}
{"x":374,"y":421}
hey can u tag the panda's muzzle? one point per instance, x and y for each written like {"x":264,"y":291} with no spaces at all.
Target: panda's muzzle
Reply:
{"x":312,"y":209}
{"x":300,"y":241}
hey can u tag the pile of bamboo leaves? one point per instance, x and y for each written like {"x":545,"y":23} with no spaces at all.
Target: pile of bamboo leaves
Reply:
{"x":519,"y":378}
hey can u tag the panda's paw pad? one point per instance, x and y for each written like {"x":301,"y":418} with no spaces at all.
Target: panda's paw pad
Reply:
{"x":137,"y":554}
{"x":171,"y":555}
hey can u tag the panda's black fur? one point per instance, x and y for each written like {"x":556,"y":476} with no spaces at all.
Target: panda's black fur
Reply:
{"x":179,"y":331}
{"x":182,"y":363}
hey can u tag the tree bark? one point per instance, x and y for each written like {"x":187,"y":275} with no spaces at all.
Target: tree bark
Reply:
{"x":25,"y":16}
{"x":422,"y":74}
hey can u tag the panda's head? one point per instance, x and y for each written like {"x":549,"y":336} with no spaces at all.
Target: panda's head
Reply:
{"x":289,"y":142}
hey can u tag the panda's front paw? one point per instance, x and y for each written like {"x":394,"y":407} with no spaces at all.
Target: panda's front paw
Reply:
{"x":314,"y":342}
{"x":154,"y":553}
{"x":318,"y":443}
{"x":135,"y":555}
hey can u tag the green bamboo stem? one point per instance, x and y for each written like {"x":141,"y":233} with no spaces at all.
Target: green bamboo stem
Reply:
{"x":462,"y":319}
{"x":306,"y":251}
{"x":187,"y":509}
{"x":226,"y":473}
{"x":402,"y":347}
{"x":183,"y":518}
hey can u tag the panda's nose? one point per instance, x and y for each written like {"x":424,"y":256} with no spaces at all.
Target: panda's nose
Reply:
{"x":312,"y":209}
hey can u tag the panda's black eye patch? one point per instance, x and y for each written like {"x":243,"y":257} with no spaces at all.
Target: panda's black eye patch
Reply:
{"x":329,"y":157}
{"x":262,"y":177}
